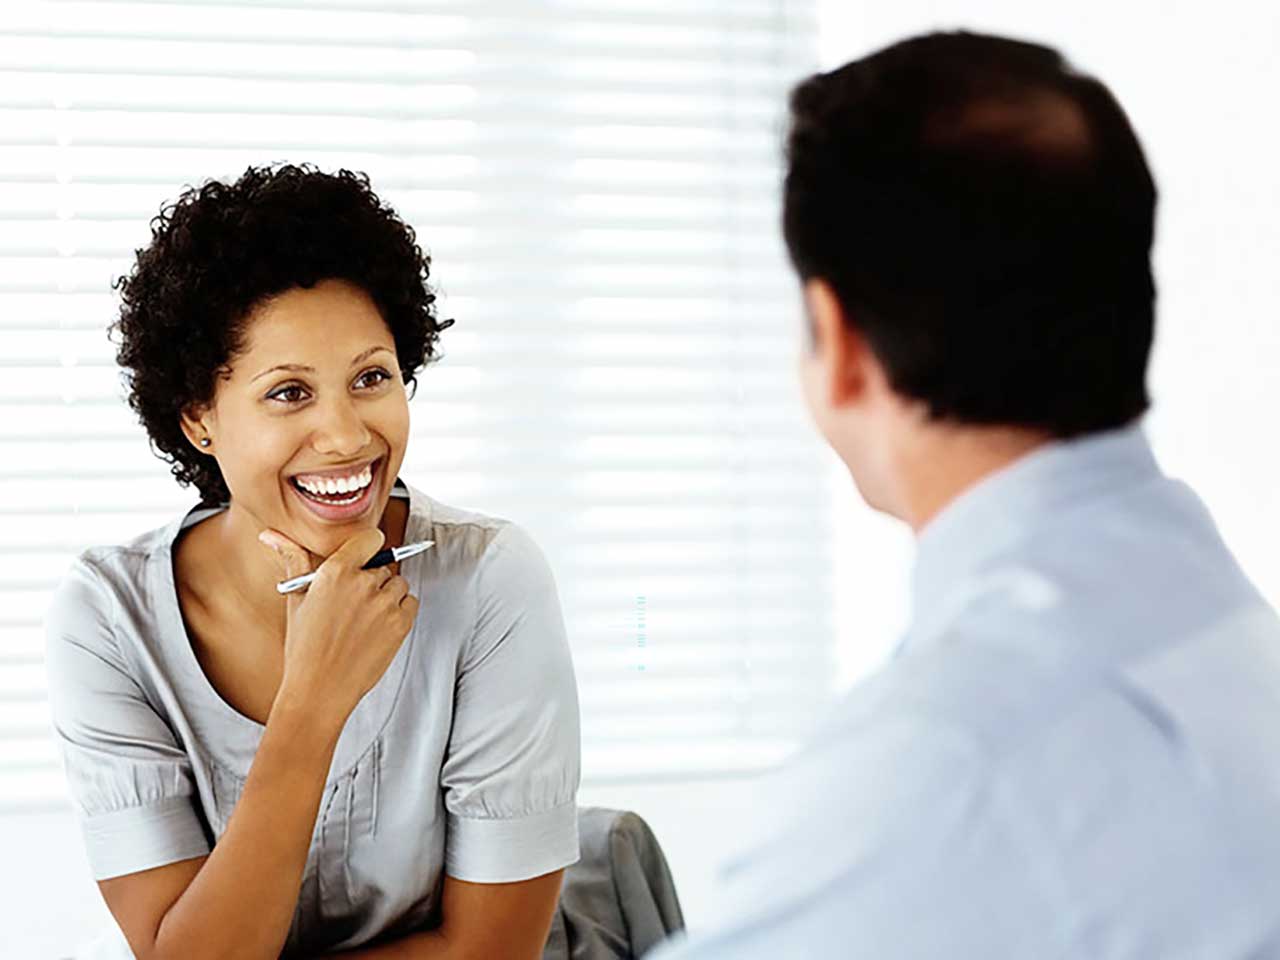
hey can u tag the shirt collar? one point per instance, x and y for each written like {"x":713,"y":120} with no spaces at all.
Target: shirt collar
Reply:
{"x":1007,"y":506}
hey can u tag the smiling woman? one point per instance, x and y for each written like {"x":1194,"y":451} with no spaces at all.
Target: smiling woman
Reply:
{"x":391,"y":755}
{"x":315,"y":392}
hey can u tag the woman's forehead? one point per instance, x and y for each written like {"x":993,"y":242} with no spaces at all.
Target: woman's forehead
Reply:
{"x":326,"y":323}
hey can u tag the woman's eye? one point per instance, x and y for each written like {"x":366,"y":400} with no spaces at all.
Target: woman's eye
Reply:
{"x":293,"y":393}
{"x":281,"y":394}
{"x":379,"y":373}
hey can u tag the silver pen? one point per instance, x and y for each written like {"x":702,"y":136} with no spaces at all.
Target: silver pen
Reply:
{"x":379,"y":559}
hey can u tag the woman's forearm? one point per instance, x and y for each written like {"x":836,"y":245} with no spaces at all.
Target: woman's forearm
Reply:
{"x":480,"y":921}
{"x":423,"y":945}
{"x":242,"y":901}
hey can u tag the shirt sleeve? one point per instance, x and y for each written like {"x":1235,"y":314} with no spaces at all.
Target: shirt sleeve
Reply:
{"x":129,"y":780}
{"x":511,"y":774}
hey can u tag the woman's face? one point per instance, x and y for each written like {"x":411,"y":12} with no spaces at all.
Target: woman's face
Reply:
{"x":314,"y":399}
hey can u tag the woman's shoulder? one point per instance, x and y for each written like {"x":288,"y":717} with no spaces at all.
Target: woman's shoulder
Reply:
{"x":85,"y":605}
{"x":455,"y":530}
{"x":117,"y":564}
{"x":473,"y":540}
{"x":102,"y":578}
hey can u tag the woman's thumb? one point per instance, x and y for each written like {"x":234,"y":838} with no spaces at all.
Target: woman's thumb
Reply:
{"x":292,"y":559}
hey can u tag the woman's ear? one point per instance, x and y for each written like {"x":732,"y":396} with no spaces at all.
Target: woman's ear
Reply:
{"x":195,"y":423}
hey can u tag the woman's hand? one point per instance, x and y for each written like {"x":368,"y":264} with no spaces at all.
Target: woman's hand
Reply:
{"x":344,"y":630}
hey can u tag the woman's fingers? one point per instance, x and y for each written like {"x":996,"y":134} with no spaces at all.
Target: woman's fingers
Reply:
{"x":357,"y":549}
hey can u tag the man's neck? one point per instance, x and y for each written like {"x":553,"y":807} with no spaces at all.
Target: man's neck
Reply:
{"x":943,"y":463}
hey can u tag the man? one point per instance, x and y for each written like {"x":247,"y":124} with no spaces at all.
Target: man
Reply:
{"x":1076,"y":751}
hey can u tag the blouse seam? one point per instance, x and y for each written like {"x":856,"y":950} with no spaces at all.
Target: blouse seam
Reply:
{"x":113,"y":624}
{"x":178,"y":801}
{"x":212,"y":759}
{"x":519,"y":816}
{"x":489,"y":548}
{"x":497,"y":524}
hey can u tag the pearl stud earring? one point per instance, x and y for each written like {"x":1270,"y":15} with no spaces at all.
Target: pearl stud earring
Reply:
{"x":205,"y":441}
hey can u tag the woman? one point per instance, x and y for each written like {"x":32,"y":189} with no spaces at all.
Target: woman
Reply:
{"x":388,"y":759}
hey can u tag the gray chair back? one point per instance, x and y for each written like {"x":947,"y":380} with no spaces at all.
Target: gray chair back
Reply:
{"x":619,"y":899}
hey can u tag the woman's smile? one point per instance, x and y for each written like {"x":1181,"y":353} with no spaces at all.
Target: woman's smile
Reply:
{"x":338,"y":495}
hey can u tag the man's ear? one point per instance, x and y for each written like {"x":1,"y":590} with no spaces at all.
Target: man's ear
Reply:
{"x":838,"y":347}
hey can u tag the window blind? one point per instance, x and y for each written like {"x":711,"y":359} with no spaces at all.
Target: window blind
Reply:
{"x":597,"y":183}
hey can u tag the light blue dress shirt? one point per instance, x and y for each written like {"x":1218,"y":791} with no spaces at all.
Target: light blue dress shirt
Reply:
{"x":1076,"y":752}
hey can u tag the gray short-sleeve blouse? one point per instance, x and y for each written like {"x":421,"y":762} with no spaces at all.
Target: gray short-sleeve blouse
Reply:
{"x":463,"y":758}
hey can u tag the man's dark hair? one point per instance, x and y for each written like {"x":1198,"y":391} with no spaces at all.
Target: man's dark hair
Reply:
{"x":984,"y":215}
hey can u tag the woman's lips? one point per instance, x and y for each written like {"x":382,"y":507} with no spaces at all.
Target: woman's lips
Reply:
{"x":335,"y":472}
{"x":339,"y":513}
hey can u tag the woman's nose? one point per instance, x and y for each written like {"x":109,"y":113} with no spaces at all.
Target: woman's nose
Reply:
{"x":341,"y":431}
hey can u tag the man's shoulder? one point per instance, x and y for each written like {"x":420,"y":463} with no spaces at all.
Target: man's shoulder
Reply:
{"x":967,"y":689}
{"x":964,"y":781}
{"x":1035,"y":744}
{"x":890,"y":760}
{"x":1015,"y":687}
{"x":894,"y":796}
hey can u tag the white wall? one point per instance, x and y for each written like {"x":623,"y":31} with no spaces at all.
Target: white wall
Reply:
{"x":48,"y":903}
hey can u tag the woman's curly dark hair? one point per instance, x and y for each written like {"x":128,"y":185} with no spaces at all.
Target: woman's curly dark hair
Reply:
{"x":219,"y":251}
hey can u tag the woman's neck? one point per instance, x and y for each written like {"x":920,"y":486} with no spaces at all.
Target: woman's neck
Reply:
{"x":244,"y":575}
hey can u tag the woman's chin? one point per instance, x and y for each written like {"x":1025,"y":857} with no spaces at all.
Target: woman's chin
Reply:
{"x":321,"y":540}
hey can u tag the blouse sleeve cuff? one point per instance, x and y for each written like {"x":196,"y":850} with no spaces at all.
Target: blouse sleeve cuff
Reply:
{"x":139,"y":838}
{"x":507,"y":850}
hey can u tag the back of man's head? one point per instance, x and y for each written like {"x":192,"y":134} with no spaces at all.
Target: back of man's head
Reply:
{"x":984,"y":215}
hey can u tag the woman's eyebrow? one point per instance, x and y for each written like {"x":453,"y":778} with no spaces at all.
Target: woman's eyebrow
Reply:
{"x":302,"y":368}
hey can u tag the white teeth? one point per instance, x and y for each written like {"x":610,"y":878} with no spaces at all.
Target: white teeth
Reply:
{"x":334,"y":486}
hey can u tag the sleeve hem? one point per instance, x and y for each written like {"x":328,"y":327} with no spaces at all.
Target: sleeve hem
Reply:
{"x":508,"y":850}
{"x":140,"y":838}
